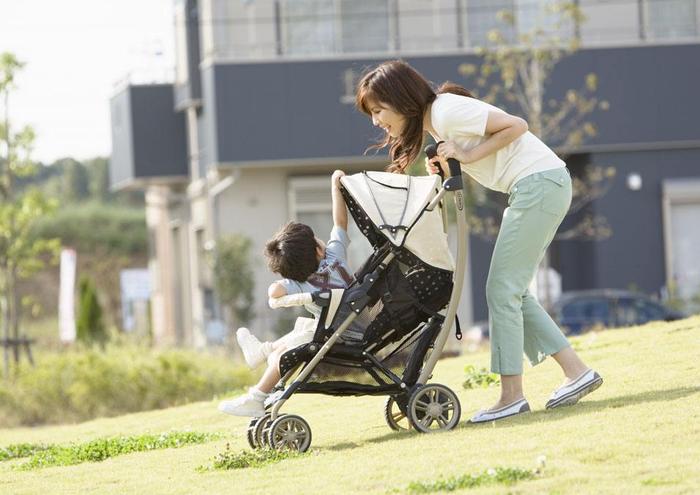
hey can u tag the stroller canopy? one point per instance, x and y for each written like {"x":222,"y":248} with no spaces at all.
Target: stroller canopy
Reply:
{"x":396,"y":204}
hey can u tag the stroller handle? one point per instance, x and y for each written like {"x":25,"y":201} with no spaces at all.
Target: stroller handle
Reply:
{"x":290,"y":301}
{"x":455,"y":169}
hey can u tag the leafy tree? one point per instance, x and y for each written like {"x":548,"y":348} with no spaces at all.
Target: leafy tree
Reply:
{"x":98,"y":171}
{"x":90,"y":327}
{"x":515,"y":75}
{"x":233,"y":277}
{"x":21,"y":254}
{"x":75,"y":180}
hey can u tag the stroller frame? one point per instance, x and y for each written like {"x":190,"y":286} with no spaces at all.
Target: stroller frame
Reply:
{"x":281,"y":430}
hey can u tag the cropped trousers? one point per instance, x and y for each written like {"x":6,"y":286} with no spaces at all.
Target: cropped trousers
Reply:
{"x":537,"y":205}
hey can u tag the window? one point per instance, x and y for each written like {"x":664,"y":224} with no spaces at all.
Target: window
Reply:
{"x":580,"y":314}
{"x":638,"y":311}
{"x":310,"y":203}
{"x":670,"y":19}
{"x":483,"y":16}
{"x":317,"y":27}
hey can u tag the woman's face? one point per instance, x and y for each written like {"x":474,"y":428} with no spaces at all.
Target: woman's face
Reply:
{"x":388,"y":119}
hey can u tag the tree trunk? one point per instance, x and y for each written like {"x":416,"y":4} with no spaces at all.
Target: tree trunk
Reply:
{"x":15,"y":309}
{"x":5,"y":317}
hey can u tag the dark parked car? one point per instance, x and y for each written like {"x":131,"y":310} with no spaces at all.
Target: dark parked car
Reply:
{"x":578,"y":311}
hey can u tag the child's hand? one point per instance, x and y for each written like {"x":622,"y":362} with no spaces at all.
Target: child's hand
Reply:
{"x":335,"y":179}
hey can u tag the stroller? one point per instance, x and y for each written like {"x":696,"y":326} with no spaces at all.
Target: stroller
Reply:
{"x":404,"y":298}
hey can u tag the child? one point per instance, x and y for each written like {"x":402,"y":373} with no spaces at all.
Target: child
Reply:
{"x":307,"y":265}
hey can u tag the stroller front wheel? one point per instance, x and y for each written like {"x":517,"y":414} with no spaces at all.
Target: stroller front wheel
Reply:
{"x":289,"y":432}
{"x":434,"y":408}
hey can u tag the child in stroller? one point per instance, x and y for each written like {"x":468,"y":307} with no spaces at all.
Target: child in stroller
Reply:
{"x":405,"y":297}
{"x":308,"y":264}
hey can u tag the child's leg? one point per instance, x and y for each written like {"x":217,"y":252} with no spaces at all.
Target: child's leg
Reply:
{"x":272,"y":373}
{"x":252,"y":403}
{"x":254,"y":351}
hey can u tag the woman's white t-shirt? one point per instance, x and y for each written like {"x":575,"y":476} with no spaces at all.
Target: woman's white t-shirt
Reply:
{"x":463,"y":120}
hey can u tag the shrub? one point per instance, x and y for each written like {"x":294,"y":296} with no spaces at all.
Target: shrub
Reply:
{"x":89,"y":324}
{"x":82,"y":384}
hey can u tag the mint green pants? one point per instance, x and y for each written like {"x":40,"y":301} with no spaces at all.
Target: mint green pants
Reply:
{"x":537,"y":205}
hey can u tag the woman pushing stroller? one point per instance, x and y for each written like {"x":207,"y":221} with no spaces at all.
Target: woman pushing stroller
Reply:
{"x":497,"y":150}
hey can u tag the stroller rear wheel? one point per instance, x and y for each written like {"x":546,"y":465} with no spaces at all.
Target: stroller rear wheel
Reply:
{"x":289,"y":432}
{"x":434,"y":408}
{"x":394,"y":416}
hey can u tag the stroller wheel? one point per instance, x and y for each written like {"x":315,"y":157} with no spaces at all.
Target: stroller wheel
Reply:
{"x":254,"y":432}
{"x":433,"y":408}
{"x":250,"y":433}
{"x":394,"y":416}
{"x":263,"y":429}
{"x":290,"y":432}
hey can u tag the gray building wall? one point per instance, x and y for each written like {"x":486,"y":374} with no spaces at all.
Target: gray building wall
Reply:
{"x":148,"y":136}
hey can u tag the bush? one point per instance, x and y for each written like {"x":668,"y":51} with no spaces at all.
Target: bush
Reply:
{"x":83,"y":384}
{"x":93,"y":227}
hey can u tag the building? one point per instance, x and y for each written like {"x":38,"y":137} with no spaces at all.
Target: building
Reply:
{"x":261,"y":112}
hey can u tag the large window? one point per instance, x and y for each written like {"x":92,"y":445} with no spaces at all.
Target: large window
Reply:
{"x":670,"y":19}
{"x":315,"y":27}
{"x":526,"y":16}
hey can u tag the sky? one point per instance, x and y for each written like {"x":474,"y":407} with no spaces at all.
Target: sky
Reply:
{"x":77,"y":54}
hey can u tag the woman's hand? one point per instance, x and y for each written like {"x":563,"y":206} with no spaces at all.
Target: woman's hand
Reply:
{"x":448,"y":149}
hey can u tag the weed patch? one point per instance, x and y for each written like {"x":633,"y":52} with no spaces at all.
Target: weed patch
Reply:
{"x":229,"y":459}
{"x":104,"y":448}
{"x":479,"y":378}
{"x":499,"y":475}
{"x":19,"y":450}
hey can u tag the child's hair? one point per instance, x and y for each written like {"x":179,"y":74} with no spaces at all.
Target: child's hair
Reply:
{"x":403,"y":88}
{"x":292,"y":252}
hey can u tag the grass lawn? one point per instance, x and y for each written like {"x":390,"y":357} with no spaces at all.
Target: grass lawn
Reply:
{"x":639,"y":433}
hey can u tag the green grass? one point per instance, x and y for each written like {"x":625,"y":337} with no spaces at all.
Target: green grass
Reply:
{"x":639,"y":433}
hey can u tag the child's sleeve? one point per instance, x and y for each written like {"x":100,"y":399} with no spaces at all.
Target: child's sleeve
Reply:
{"x":291,"y":286}
{"x":337,"y":245}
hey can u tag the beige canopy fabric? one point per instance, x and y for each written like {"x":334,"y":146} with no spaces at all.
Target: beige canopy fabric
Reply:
{"x":396,"y":205}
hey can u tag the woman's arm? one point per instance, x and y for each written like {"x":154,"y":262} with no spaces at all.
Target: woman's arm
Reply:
{"x":502,"y":129}
{"x":340,"y":212}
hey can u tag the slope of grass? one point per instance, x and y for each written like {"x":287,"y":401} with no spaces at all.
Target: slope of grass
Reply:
{"x":639,"y":433}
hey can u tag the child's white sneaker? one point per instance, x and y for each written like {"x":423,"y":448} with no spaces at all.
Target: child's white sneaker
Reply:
{"x":254,"y":351}
{"x":249,"y":405}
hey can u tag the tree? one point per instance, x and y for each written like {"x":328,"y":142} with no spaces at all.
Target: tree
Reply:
{"x":21,"y":254}
{"x":516,"y":75}
{"x":98,"y":171}
{"x":233,"y":277}
{"x":75,"y":180}
{"x":90,"y":327}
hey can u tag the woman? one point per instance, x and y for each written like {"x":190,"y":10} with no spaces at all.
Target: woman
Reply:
{"x":497,"y":150}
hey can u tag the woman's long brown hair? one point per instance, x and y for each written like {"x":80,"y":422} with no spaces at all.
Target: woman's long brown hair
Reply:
{"x":405,"y":90}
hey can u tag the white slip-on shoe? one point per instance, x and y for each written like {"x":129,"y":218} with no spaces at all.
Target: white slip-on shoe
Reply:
{"x":571,"y":393}
{"x":252,"y":348}
{"x":518,"y":407}
{"x":248,"y":405}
